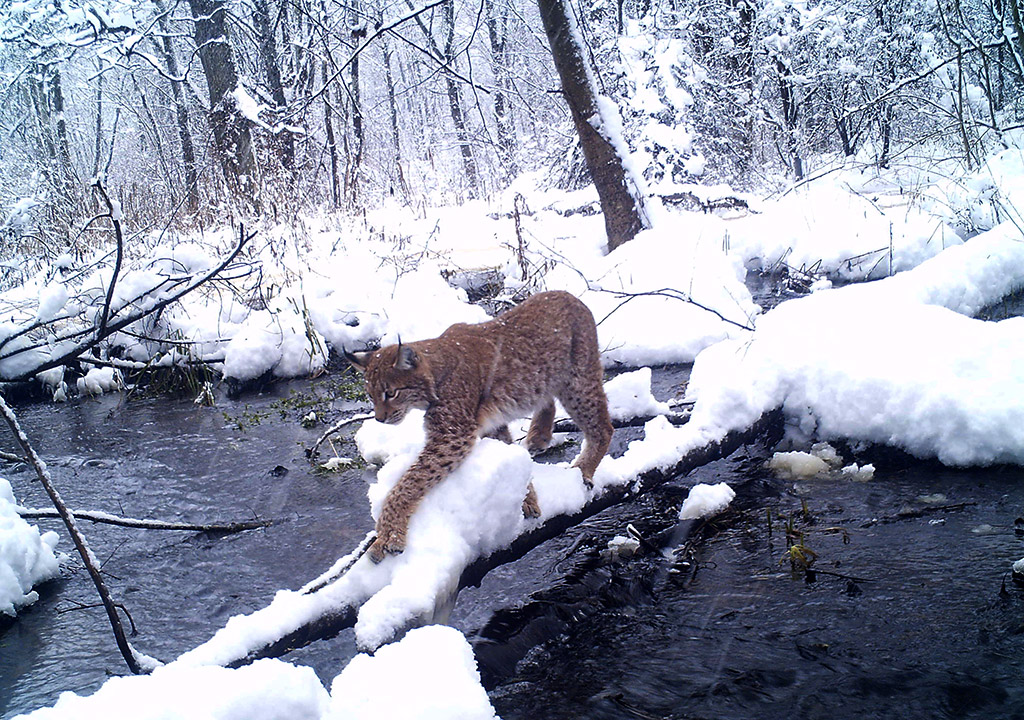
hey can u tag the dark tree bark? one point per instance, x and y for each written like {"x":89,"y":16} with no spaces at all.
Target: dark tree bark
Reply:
{"x":181,"y":113}
{"x":231,"y":131}
{"x":332,"y":145}
{"x":267,"y":45}
{"x":357,"y":28}
{"x":389,"y":80}
{"x":455,"y":104}
{"x":497,"y":32}
{"x":623,"y":214}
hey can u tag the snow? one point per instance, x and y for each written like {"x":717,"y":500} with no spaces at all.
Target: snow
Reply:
{"x":438,"y":676}
{"x":264,"y":690}
{"x":100,"y":380}
{"x":706,"y":500}
{"x":630,"y":396}
{"x":26,"y":555}
{"x":433,"y":666}
{"x":893,"y":362}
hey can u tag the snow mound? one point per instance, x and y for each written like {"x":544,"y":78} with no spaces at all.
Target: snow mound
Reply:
{"x":639,"y":295}
{"x":706,"y":500}
{"x":26,"y":556}
{"x":629,"y":396}
{"x":437,"y":677}
{"x":891,"y":362}
{"x":265,"y":690}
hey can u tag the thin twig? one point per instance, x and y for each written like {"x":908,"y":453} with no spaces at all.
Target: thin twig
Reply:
{"x":310,"y":452}
{"x":336,"y":573}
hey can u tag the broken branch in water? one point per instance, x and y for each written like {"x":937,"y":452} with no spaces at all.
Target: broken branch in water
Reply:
{"x":310,"y":452}
{"x":134,"y":661}
{"x":146,"y":524}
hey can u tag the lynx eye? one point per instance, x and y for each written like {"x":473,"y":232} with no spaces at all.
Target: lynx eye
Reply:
{"x":390,"y":394}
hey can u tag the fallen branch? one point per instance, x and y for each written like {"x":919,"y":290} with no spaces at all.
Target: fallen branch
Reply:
{"x":565,"y":425}
{"x":92,"y":335}
{"x":331,"y":617}
{"x":146,"y":524}
{"x":134,"y":661}
{"x":311,"y":451}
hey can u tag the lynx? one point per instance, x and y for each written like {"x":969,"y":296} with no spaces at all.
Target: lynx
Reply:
{"x":473,"y":380}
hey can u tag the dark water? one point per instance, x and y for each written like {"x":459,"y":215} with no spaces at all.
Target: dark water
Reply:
{"x":724,"y":631}
{"x":173,"y":460}
{"x":918,"y":620}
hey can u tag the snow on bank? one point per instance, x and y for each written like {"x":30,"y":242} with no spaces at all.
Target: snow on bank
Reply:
{"x":432,"y":668}
{"x":26,"y":556}
{"x":894,"y":362}
{"x":644,"y":287}
{"x":265,"y":690}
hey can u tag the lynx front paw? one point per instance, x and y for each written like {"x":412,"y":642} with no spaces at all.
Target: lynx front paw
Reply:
{"x":390,"y":541}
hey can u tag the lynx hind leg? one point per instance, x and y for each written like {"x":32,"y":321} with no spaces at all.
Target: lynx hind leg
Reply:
{"x":531,"y":506}
{"x":587,"y":405}
{"x":539,"y":436}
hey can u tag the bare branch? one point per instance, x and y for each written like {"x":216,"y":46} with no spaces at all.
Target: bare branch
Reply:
{"x":145,"y":523}
{"x":133,"y":660}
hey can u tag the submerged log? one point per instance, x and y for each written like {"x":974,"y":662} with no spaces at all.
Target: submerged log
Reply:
{"x":331,"y":620}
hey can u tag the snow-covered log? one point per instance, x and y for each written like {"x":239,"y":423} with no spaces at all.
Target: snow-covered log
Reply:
{"x":378,"y":599}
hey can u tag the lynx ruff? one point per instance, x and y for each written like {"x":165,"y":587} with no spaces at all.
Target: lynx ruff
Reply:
{"x":473,"y":380}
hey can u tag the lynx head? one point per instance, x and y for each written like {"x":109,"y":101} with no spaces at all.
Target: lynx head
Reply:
{"x":398,"y":379}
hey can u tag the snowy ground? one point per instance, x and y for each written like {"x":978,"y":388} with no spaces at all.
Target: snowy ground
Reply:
{"x":900,"y":361}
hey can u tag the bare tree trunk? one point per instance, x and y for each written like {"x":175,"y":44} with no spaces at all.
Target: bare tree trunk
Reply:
{"x":790,"y":112}
{"x":181,"y":114}
{"x":267,"y":45}
{"x":231,"y":130}
{"x":497,"y":31}
{"x":403,"y":187}
{"x":623,"y":214}
{"x":455,"y":105}
{"x":332,"y":146}
{"x":98,"y":147}
{"x":357,"y":25}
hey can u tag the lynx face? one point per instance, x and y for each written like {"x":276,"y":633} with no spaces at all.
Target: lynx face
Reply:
{"x":396,"y":381}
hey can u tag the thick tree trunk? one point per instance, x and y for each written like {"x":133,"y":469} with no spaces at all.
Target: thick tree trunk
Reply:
{"x":181,"y":113}
{"x":267,"y":45}
{"x":455,"y":105}
{"x":231,"y":131}
{"x":497,"y":31}
{"x":396,"y":144}
{"x":623,"y":213}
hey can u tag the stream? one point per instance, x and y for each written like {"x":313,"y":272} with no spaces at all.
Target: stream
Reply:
{"x":908,"y":612}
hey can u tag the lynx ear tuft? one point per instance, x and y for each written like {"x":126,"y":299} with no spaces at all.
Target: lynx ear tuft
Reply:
{"x":407,"y":359}
{"x":358,"y":360}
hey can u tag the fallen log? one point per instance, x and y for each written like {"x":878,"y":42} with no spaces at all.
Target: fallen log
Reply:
{"x":329,"y":618}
